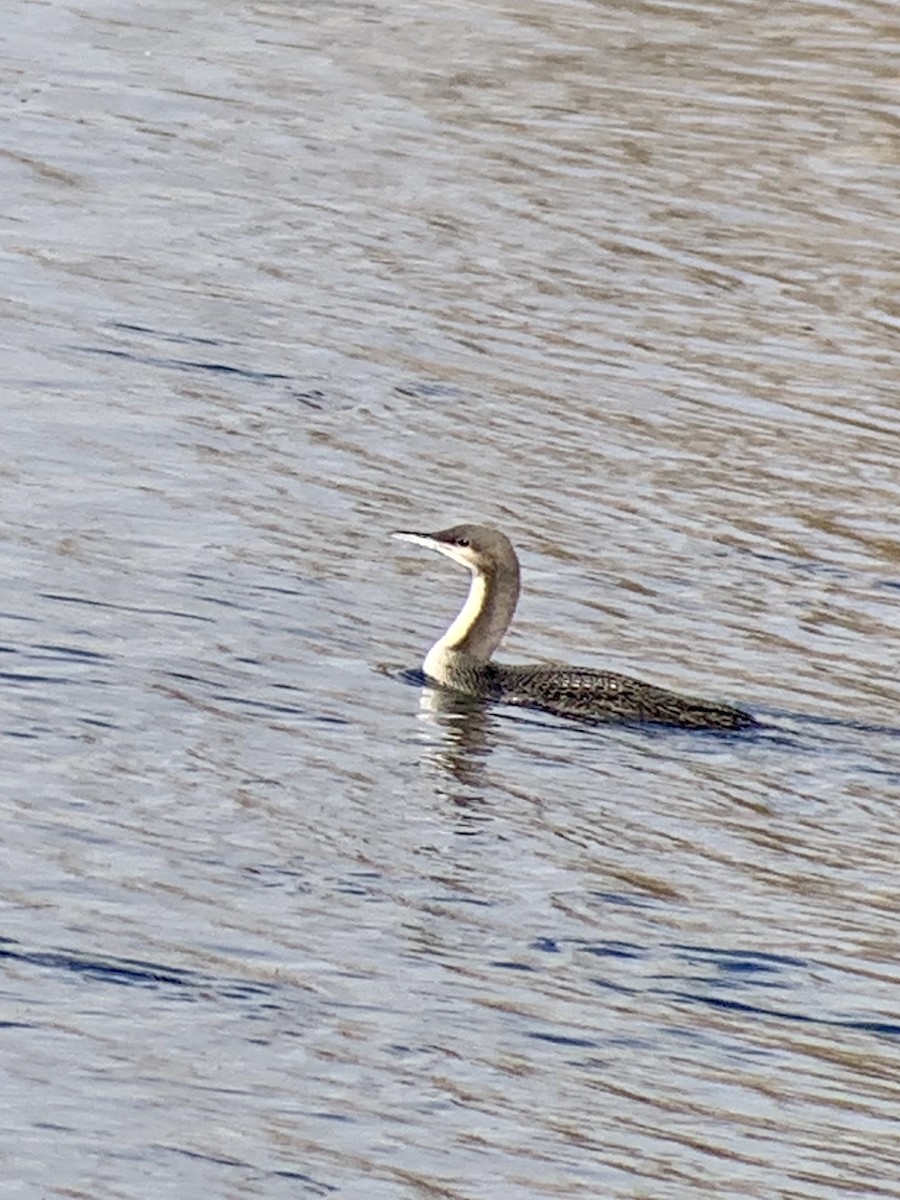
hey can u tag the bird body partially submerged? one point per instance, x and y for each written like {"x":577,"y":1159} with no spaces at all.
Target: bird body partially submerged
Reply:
{"x":461,"y":659}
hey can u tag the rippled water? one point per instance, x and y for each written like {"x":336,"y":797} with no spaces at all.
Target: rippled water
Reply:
{"x":281,"y":278}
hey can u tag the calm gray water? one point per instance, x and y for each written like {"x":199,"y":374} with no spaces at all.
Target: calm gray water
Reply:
{"x":279,"y":278}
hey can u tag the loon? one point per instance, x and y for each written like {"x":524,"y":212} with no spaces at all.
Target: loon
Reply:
{"x":461,"y":659}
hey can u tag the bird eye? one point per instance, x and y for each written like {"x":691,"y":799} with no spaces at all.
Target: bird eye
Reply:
{"x":462,"y":541}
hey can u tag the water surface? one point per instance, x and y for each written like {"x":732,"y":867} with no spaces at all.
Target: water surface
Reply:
{"x":279,"y":279}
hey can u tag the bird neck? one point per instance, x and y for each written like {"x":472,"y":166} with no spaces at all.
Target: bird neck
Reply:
{"x":479,"y":628}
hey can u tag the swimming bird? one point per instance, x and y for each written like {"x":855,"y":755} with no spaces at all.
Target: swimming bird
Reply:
{"x":462,"y":658}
